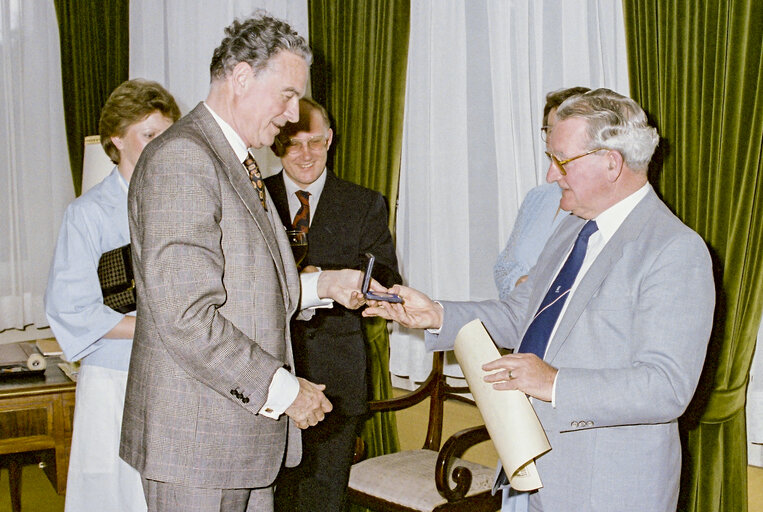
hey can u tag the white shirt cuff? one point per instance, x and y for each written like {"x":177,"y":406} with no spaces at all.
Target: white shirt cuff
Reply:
{"x":282,"y":392}
{"x":553,"y":391}
{"x":437,"y":330}
{"x":310,"y":297}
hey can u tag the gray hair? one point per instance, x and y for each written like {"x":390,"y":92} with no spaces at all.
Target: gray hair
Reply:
{"x":255,"y":41}
{"x":615,"y":122}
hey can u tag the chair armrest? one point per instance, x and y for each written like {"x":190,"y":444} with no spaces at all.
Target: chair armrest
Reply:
{"x":407,"y":400}
{"x":454,"y":448}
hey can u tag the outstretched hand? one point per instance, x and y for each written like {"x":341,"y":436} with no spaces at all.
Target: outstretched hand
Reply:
{"x":417,"y":311}
{"x":343,"y":286}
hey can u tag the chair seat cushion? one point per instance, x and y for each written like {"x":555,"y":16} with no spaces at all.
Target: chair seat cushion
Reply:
{"x":407,"y":478}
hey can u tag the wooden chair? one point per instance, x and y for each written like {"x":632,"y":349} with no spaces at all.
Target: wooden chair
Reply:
{"x":418,"y":480}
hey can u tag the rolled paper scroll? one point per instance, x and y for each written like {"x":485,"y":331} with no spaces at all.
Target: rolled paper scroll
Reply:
{"x":510,"y":419}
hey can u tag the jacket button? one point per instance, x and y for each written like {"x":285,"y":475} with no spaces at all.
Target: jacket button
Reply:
{"x":233,"y":392}
{"x":245,"y":399}
{"x":573,"y":423}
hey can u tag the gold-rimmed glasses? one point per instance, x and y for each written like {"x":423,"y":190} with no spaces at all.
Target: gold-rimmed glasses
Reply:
{"x":561,"y":163}
{"x":312,"y":144}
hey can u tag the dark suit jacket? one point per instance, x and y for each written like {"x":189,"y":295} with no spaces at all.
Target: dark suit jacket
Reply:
{"x":217,"y":286}
{"x":349,"y":221}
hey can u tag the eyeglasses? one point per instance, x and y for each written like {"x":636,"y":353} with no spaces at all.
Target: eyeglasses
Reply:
{"x":312,"y":144}
{"x":561,"y":163}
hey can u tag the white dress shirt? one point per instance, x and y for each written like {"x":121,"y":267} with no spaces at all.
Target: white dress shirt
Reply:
{"x":315,"y":189}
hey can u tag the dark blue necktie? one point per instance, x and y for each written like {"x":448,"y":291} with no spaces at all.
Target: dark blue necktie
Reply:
{"x":536,"y":338}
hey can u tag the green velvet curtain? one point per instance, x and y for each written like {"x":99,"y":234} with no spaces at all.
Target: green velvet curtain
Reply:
{"x":697,"y":68}
{"x":94,"y":37}
{"x":361,"y":52}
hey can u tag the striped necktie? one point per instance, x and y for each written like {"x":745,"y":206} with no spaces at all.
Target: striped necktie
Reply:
{"x":256,"y":177}
{"x":302,"y":217}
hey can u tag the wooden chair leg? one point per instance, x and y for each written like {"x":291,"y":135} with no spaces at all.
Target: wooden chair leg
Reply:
{"x":14,"y":480}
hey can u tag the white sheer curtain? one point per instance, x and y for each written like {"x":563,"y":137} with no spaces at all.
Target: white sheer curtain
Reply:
{"x":172,"y":41}
{"x":35,"y":176}
{"x":478,"y":72}
{"x":755,"y":405}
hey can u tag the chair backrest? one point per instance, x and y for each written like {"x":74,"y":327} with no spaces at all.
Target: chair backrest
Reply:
{"x":96,"y":164}
{"x":437,"y":389}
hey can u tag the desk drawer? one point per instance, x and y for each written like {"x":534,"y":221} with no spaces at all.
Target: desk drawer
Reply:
{"x":27,"y":423}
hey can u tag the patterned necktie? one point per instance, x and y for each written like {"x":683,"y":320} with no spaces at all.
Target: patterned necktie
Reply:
{"x":536,"y":338}
{"x":302,"y":217}
{"x":256,"y":177}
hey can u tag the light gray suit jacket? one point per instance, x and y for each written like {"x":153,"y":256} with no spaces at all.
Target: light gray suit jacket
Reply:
{"x":629,"y":349}
{"x":215,"y":297}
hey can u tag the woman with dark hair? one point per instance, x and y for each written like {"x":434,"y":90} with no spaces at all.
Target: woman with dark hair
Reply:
{"x":89,"y":331}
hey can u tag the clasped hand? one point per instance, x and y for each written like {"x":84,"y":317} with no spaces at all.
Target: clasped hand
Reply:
{"x":310,"y":406}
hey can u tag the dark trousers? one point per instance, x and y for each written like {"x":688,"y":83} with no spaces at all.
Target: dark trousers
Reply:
{"x":319,"y":483}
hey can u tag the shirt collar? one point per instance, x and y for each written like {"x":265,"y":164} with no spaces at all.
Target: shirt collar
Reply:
{"x":122,"y":181}
{"x":315,"y":188}
{"x":610,"y":219}
{"x":233,"y":138}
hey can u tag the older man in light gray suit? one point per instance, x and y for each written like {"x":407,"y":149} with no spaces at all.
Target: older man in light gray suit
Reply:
{"x":210,"y":376}
{"x":620,"y":359}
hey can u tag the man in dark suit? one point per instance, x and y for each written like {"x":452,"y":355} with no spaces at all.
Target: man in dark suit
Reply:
{"x":611,"y":326}
{"x":212,"y":405}
{"x":344,"y":221}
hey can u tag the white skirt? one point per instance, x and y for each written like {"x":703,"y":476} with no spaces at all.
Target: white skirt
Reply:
{"x":98,"y":479}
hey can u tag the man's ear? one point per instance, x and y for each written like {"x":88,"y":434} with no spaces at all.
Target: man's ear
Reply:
{"x":329,"y":138}
{"x":615,"y":163}
{"x":241,"y":74}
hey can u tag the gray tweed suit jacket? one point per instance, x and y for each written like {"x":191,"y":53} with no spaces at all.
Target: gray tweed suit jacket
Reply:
{"x":629,"y":348}
{"x":216,"y":286}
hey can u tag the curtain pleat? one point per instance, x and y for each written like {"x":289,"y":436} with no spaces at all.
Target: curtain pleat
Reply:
{"x":361,"y":52}
{"x":696,"y":67}
{"x":361,"y":49}
{"x":94,"y":39}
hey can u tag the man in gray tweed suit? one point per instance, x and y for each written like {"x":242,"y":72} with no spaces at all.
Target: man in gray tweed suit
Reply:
{"x":212,"y":405}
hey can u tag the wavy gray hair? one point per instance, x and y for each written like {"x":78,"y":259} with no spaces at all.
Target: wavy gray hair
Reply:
{"x":614,"y":122}
{"x":255,"y":41}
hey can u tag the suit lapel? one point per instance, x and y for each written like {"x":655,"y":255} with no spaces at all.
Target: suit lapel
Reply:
{"x":238,"y":178}
{"x":277,"y":191}
{"x":601,"y":267}
{"x":546,"y":269}
{"x":322,"y":217}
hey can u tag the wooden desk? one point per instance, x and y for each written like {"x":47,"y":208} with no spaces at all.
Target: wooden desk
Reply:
{"x":36,"y":415}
